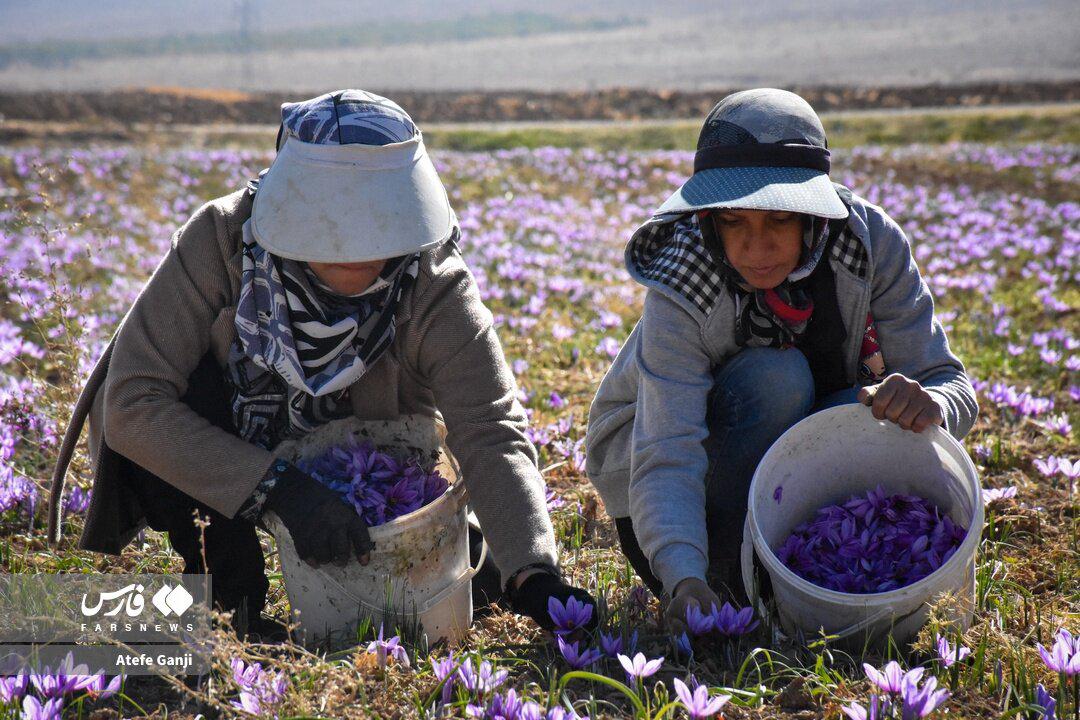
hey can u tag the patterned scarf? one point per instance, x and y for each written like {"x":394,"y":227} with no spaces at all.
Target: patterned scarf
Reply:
{"x":777,"y":317}
{"x":300,"y":346}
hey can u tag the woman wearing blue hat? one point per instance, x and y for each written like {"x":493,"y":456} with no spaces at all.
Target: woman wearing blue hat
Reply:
{"x":772,"y":293}
{"x":331,"y":286}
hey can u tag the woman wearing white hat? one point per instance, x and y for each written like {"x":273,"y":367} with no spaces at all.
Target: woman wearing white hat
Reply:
{"x":331,"y":286}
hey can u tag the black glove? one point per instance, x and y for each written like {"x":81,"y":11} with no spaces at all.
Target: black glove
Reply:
{"x":323,"y":528}
{"x":531,"y":599}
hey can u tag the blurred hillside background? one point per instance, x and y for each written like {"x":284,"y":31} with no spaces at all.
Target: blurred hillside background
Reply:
{"x":517,"y":45}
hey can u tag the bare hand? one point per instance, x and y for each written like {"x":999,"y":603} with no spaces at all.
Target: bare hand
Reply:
{"x":690,"y":591}
{"x":902,"y":401}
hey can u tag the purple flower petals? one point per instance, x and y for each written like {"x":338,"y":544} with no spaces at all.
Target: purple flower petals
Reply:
{"x":639,"y":667}
{"x":576,"y":658}
{"x":568,"y":618}
{"x":379,"y":487}
{"x":1064,"y":655}
{"x":872,"y":543}
{"x":697,"y":702}
{"x":948,"y":655}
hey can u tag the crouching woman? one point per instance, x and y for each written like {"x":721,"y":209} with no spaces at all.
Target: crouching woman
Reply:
{"x":772,"y":293}
{"x":331,"y":286}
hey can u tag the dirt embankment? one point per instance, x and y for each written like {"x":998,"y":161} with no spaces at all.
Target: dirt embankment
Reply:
{"x":191,"y":106}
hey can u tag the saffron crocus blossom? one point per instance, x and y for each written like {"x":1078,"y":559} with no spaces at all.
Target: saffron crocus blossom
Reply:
{"x":261,"y":691}
{"x":101,"y":689}
{"x":1046,"y":701}
{"x":891,"y":677}
{"x":1064,"y":655}
{"x":378,"y":486}
{"x":992,"y":495}
{"x":34,"y":709}
{"x":699,"y":623}
{"x":570,"y":617}
{"x":611,"y":644}
{"x":731,"y":622}
{"x":918,"y":701}
{"x":445,"y":672}
{"x":697,"y":702}
{"x":13,"y":688}
{"x":872,"y":543}
{"x":854,"y":711}
{"x":948,"y":654}
{"x":1048,"y":467}
{"x":392,"y":648}
{"x":640,"y":667}
{"x":576,"y":658}
{"x":482,"y":679}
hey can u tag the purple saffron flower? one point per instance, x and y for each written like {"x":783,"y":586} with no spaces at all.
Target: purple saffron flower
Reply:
{"x":919,"y":701}
{"x":260,"y":691}
{"x":947,"y":654}
{"x":640,"y":667}
{"x":12,"y":688}
{"x":891,"y":677}
{"x":554,"y":502}
{"x":698,"y":704}
{"x":1046,"y":701}
{"x":481,"y":680}
{"x":684,"y":646}
{"x":1048,"y":467}
{"x":445,"y":671}
{"x":388,"y":648}
{"x":991,"y":495}
{"x":568,"y":618}
{"x":699,"y":623}
{"x":1064,"y":654}
{"x":556,"y":401}
{"x":402,"y":499}
{"x":855,"y":711}
{"x":34,"y":709}
{"x":578,"y":659}
{"x":731,"y":622}
{"x":612,"y":644}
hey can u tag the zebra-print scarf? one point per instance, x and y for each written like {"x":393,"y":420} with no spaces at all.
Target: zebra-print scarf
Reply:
{"x":299,"y":347}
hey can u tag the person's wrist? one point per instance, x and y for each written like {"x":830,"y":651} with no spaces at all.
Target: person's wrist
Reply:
{"x":689,"y":584}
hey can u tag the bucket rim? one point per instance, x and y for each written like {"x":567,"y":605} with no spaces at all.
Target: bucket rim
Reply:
{"x":454,"y":493}
{"x":970,"y":541}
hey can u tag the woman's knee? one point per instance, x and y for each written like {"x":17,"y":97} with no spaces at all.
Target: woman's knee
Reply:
{"x":769,"y":380}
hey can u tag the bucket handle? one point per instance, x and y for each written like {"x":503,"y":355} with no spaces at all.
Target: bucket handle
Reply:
{"x":431,"y":602}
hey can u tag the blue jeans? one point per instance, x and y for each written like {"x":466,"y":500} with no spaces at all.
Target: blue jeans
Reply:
{"x":757,"y":395}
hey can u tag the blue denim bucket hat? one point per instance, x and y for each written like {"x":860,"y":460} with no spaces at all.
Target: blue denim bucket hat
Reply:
{"x":352,"y":182}
{"x":761,"y":149}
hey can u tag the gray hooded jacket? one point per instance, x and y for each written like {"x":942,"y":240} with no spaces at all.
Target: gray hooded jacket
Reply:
{"x":647,"y":421}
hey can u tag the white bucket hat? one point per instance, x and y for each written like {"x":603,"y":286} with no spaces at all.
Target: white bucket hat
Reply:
{"x":352,"y":182}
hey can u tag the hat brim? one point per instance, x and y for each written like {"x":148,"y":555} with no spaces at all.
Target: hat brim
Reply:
{"x":350,"y":203}
{"x":790,"y":189}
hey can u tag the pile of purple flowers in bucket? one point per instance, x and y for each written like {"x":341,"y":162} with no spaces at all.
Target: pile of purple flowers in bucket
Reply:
{"x":380,"y":486}
{"x":872,"y":543}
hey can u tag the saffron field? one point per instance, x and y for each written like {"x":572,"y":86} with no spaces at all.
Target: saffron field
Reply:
{"x":996,"y":232}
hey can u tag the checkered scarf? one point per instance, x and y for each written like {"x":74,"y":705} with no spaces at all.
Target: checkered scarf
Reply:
{"x":776,"y":317}
{"x":677,"y":255}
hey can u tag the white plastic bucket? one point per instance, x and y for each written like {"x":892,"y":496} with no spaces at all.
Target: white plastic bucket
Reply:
{"x":823,"y":460}
{"x":419,"y":566}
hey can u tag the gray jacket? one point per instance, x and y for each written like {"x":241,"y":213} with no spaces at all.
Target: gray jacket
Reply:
{"x":647,"y":421}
